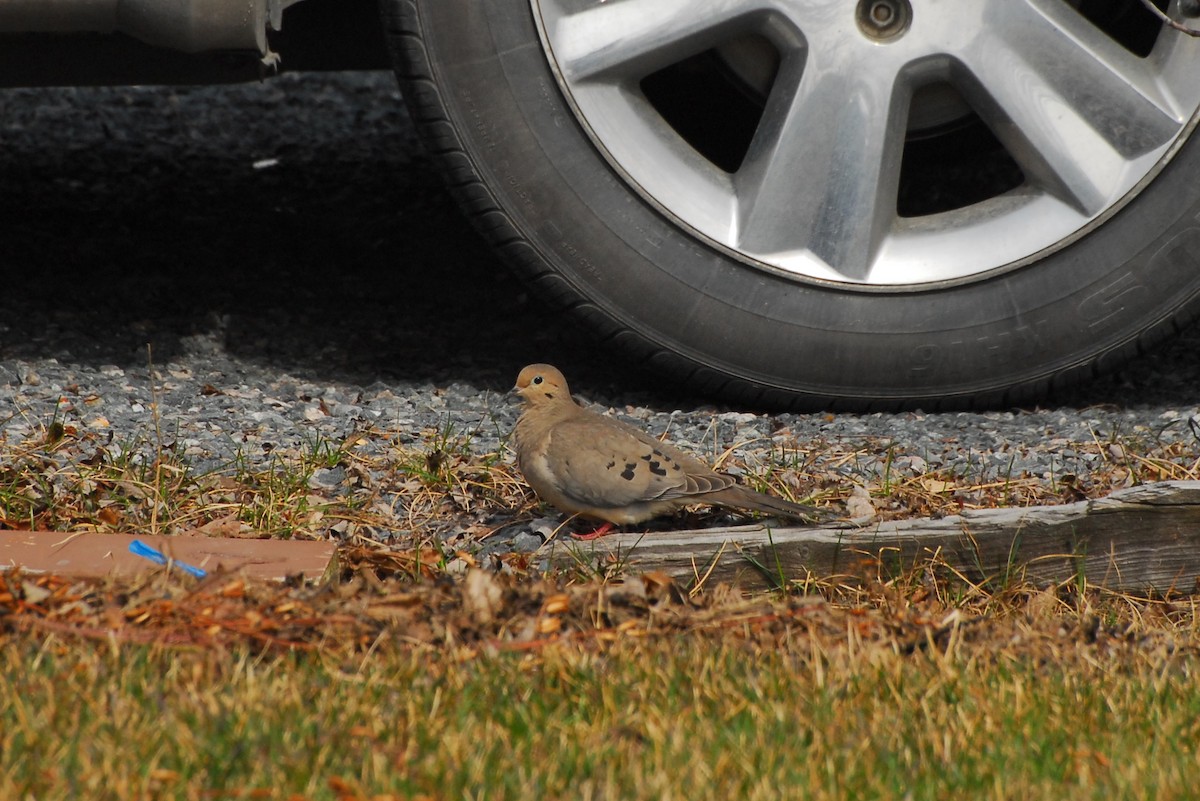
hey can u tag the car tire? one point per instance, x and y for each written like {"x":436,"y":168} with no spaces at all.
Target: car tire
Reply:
{"x":490,"y":104}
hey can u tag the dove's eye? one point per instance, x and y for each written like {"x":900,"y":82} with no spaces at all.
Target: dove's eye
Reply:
{"x":537,"y":379}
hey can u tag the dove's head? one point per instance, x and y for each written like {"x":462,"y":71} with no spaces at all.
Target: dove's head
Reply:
{"x":540,"y":384}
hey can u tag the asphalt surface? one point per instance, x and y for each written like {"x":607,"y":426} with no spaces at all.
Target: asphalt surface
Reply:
{"x":292,"y":238}
{"x":134,"y":216}
{"x":300,"y":216}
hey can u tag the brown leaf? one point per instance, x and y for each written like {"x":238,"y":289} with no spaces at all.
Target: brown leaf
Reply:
{"x":556,"y":604}
{"x":227,"y":526}
{"x":936,"y":485}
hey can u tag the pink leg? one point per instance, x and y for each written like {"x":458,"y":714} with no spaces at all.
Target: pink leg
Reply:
{"x":595,"y":535}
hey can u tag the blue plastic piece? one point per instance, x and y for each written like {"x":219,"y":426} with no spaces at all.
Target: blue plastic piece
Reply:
{"x":145,"y":551}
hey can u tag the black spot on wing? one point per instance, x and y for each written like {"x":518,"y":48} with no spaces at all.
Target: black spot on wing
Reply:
{"x":656,"y":464}
{"x":628,"y":473}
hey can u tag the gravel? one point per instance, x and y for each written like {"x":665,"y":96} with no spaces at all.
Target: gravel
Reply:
{"x":271,"y":264}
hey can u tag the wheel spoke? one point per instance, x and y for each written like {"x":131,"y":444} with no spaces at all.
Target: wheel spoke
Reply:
{"x":821,"y":172}
{"x":635,"y":37}
{"x":1072,"y":106}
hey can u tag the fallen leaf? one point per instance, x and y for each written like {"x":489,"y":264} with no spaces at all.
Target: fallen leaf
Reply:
{"x":556,"y":604}
{"x":935,"y":485}
{"x":859,"y":507}
{"x":227,"y":526}
{"x":34,"y":593}
{"x":482,"y":595}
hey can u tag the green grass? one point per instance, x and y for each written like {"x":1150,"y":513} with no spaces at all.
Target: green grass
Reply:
{"x":682,"y":716}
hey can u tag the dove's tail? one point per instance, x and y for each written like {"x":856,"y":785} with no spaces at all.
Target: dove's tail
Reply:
{"x":740,"y":497}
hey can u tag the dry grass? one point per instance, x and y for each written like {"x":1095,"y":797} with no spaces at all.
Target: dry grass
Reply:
{"x":407,"y":678}
{"x":436,"y":486}
{"x":67,"y":479}
{"x":494,"y":687}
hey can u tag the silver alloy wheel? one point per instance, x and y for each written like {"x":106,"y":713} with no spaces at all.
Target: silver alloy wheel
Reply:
{"x":1085,"y":120}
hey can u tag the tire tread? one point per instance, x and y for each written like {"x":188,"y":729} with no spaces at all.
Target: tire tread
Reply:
{"x":419,"y":87}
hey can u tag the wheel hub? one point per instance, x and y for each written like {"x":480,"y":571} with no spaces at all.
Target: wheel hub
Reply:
{"x":814,"y":192}
{"x":883,"y":20}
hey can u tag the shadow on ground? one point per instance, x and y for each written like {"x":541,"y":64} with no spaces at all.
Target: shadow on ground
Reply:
{"x":312,"y":235}
{"x":300,"y":222}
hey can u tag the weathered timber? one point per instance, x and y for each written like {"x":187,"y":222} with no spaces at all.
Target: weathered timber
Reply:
{"x":1138,"y":539}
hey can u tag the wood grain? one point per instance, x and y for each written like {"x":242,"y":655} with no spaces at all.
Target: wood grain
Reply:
{"x":1138,"y":539}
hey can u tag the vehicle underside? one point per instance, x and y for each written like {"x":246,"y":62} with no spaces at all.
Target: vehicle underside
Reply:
{"x":118,"y":42}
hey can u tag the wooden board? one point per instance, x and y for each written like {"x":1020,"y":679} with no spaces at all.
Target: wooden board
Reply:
{"x":93,"y":554}
{"x":1137,"y":539}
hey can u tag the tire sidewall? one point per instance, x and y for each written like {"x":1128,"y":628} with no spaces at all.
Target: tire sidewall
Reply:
{"x":654,"y":278}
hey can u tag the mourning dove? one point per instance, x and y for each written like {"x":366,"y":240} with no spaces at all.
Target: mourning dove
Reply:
{"x":596,"y":466}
